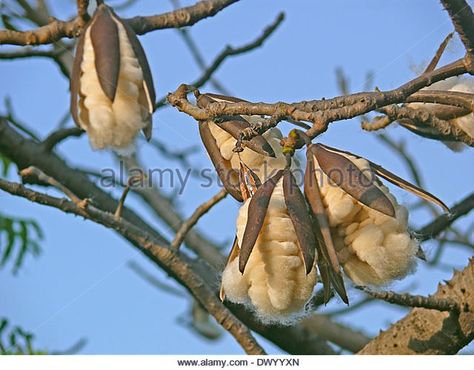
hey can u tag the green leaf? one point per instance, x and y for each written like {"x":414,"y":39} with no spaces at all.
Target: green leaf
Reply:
{"x":8,"y":227}
{"x":6,"y":163}
{"x":22,"y":235}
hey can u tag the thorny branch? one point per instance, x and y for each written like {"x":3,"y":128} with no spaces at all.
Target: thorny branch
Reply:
{"x":410,"y":300}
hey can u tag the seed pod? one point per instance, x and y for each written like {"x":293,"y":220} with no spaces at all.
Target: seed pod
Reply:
{"x":328,"y":263}
{"x":459,"y":118}
{"x":347,"y":176}
{"x":112,"y":93}
{"x":227,"y":174}
{"x":268,"y":273}
{"x":372,"y":245}
{"x":236,"y":124}
{"x":394,"y":179}
{"x":262,"y":154}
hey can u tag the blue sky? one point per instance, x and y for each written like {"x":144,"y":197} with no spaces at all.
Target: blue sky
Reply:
{"x":81,"y":287}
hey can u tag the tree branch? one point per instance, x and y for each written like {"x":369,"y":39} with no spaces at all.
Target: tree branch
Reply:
{"x":197,"y":214}
{"x":463,"y":19}
{"x":320,"y":112}
{"x":341,"y":335}
{"x":230,"y":51}
{"x":410,"y":300}
{"x":442,"y":222}
{"x":58,"y":29}
{"x":57,"y":136}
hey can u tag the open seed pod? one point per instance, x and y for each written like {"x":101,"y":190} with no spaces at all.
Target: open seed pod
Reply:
{"x":262,"y":154}
{"x":271,"y":265}
{"x":112,"y":93}
{"x":367,"y":227}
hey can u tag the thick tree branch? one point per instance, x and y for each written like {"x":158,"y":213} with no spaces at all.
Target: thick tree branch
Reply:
{"x":394,"y":112}
{"x":343,"y":336}
{"x":163,"y":208}
{"x":58,"y":29}
{"x":427,"y":331}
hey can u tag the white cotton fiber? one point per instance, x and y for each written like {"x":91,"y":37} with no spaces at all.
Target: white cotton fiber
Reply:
{"x":274,"y":283}
{"x":373,"y":248}
{"x":112,"y":124}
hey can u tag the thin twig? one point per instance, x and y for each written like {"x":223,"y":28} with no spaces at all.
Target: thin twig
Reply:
{"x":196,"y":53}
{"x":442,"y":222}
{"x":57,"y":136}
{"x":434,"y":62}
{"x":400,"y":149}
{"x":230,"y":51}
{"x":410,"y":300}
{"x":197,"y":214}
{"x":150,"y":278}
{"x":42,"y":177}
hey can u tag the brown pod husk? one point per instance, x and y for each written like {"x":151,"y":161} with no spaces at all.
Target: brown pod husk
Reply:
{"x":398,"y":181}
{"x":233,"y":254}
{"x":104,"y":36}
{"x":236,"y":124}
{"x":256,"y":215}
{"x":203,"y":100}
{"x":298,"y":212}
{"x":228,"y":176}
{"x":105,"y":41}
{"x":249,"y":181}
{"x":401,"y":183}
{"x":258,"y":143}
{"x":350,"y":179}
{"x":147,"y":76}
{"x":75,"y":77}
{"x":328,"y":262}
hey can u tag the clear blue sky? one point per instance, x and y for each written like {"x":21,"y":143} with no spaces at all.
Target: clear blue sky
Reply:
{"x":81,"y":286}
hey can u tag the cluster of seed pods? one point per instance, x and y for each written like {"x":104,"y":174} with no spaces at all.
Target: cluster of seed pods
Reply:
{"x":345,"y":223}
{"x":112,"y":93}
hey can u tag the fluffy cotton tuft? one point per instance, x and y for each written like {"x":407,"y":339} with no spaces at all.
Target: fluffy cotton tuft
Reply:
{"x":373,"y":248}
{"x":112,"y":124}
{"x":274,"y":283}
